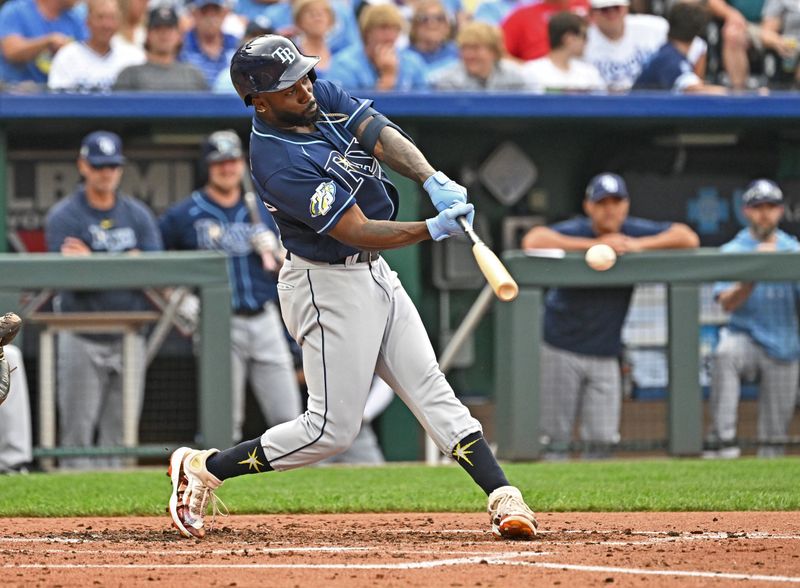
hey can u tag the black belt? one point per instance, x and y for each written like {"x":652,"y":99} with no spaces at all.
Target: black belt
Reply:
{"x":249,"y":311}
{"x":362,"y":257}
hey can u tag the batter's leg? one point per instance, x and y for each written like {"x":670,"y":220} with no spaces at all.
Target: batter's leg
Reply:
{"x":561,"y":384}
{"x":776,"y":400}
{"x":80,"y":391}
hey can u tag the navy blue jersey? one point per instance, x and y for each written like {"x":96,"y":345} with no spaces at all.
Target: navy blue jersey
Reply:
{"x":308,"y":180}
{"x":667,"y":69}
{"x":589,"y":320}
{"x":197,"y":222}
{"x":127,"y":226}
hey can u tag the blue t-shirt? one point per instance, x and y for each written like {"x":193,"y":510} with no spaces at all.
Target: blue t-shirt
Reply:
{"x":443,"y":57}
{"x":127,"y":226}
{"x":352,"y":70}
{"x":769,"y":315}
{"x":191,"y":53}
{"x":589,"y":320}
{"x":22,"y":17}
{"x":309,"y":180}
{"x":343,"y":33}
{"x":197,"y":222}
{"x":667,"y":69}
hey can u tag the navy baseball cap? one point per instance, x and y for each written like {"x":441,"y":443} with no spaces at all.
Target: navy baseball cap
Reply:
{"x":222,"y":146}
{"x":163,"y":16}
{"x":102,"y":148}
{"x":761,"y":192}
{"x":604,"y":185}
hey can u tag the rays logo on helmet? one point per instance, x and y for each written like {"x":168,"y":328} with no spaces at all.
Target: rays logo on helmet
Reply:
{"x":322,"y":199}
{"x":284,"y":54}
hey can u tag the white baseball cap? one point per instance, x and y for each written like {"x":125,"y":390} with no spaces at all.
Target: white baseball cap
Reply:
{"x":607,"y":3}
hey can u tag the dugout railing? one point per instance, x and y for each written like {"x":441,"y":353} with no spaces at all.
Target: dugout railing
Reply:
{"x":203,"y":271}
{"x":518,"y":332}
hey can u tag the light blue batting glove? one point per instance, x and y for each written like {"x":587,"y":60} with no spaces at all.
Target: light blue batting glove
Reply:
{"x":445,"y":225}
{"x":443,"y":191}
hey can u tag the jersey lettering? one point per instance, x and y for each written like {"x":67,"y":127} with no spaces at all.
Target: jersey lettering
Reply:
{"x":112,"y":240}
{"x":232,"y":238}
{"x":352,"y":167}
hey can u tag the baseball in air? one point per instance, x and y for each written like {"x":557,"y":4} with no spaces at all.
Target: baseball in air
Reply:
{"x":600,"y":257}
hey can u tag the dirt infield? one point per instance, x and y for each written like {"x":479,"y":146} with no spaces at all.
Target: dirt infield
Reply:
{"x":447,"y":550}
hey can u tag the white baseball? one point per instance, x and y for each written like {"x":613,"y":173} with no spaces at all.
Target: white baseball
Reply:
{"x":600,"y":257}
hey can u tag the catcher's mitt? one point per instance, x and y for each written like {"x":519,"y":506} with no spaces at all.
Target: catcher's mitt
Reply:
{"x":10,"y":325}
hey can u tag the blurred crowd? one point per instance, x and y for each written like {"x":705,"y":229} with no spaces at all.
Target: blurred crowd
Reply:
{"x":682,"y":46}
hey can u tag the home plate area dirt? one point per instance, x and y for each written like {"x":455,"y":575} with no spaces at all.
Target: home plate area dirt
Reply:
{"x":406,"y":549}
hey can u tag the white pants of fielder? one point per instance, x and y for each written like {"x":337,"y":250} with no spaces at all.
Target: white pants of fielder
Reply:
{"x":16,"y":443}
{"x":353,"y":321}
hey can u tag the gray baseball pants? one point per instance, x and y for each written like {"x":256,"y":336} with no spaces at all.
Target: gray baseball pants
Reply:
{"x":738,"y":357}
{"x":260,"y":353}
{"x":575,"y":385}
{"x":16,"y":443}
{"x":90,"y":395}
{"x":353,"y":321}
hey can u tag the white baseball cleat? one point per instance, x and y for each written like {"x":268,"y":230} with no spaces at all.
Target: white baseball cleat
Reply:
{"x":193,"y":487}
{"x":511,"y":518}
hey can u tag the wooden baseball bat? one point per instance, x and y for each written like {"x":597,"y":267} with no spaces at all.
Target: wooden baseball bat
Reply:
{"x":504,"y":286}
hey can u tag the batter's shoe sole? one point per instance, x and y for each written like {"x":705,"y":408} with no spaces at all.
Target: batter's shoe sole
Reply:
{"x":516,"y":528}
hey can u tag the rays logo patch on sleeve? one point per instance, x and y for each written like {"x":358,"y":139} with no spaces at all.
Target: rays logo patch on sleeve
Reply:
{"x":322,"y":200}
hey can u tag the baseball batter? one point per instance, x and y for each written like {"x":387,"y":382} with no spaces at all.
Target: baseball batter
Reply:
{"x":216,"y":218}
{"x":315,"y":153}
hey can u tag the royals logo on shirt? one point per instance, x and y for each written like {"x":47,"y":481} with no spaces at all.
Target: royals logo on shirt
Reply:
{"x":322,"y":200}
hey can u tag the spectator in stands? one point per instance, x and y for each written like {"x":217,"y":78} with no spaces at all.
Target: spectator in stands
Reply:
{"x":93,"y":65}
{"x":780,"y":31}
{"x":205,"y":46}
{"x":580,"y":353}
{"x":97,"y":218}
{"x":525,"y":29}
{"x":314,"y":20}
{"x":379,"y":64}
{"x":669,"y":68}
{"x":562,"y":68}
{"x":741,"y":35}
{"x":31,"y":32}
{"x":761,"y":340}
{"x":133,"y":29}
{"x":255,"y":28}
{"x":162,"y":72}
{"x":216,"y":218}
{"x":431,"y":35}
{"x":482,"y":64}
{"x":16,"y":441}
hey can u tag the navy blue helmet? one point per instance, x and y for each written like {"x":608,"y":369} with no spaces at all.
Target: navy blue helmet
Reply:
{"x":269,"y":63}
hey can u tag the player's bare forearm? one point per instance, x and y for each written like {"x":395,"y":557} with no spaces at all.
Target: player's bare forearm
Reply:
{"x":402,"y":155}
{"x":358,"y":231}
{"x":545,"y":238}
{"x":678,"y":236}
{"x":735,"y":296}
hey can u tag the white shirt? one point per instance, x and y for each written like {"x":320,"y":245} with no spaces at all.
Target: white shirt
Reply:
{"x":77,"y":67}
{"x":543,"y":75}
{"x":620,"y":61}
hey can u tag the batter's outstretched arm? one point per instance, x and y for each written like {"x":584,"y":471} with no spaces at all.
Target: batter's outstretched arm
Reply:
{"x":358,"y":231}
{"x":399,"y":153}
